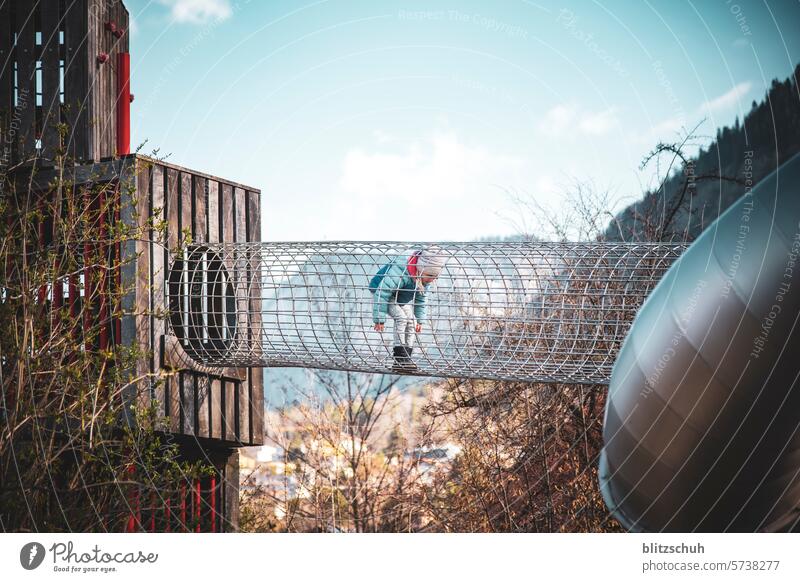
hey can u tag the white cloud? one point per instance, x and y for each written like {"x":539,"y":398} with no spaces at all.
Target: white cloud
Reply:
{"x":598,"y":123}
{"x":727,"y":100}
{"x":668,"y":128}
{"x":418,"y":185}
{"x":439,"y":166}
{"x":566,"y":118}
{"x":198,"y":11}
{"x":558,"y":119}
{"x":665,"y":130}
{"x":382,"y":137}
{"x":545,"y":184}
{"x":669,"y":125}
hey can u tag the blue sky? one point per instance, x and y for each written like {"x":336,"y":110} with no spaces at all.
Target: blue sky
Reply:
{"x":419,"y":120}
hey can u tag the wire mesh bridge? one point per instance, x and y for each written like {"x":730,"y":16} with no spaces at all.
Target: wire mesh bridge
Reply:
{"x":519,"y":311}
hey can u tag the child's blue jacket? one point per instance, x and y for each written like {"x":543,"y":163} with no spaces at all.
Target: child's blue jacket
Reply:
{"x":394,"y":282}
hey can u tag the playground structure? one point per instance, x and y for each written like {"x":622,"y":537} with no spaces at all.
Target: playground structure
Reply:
{"x":701,"y":427}
{"x":519,"y":311}
{"x":71,"y":92}
{"x":701,"y":423}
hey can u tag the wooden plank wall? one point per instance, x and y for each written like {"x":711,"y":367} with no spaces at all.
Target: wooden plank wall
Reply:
{"x":6,"y":80}
{"x":76,"y":111}
{"x":102,"y":77}
{"x":256,"y":374}
{"x":49,"y":112}
{"x":216,"y":404}
{"x":26,"y":53}
{"x":90,"y":87}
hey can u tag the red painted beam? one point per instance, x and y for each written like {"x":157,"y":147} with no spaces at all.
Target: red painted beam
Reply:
{"x":214,"y":503}
{"x":73,"y":304}
{"x":131,"y":525}
{"x":183,"y":504}
{"x":152,"y":511}
{"x":197,"y":499}
{"x":58,"y":293}
{"x":123,"y":104}
{"x":138,"y":505}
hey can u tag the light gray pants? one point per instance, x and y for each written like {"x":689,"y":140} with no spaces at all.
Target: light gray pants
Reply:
{"x":403,"y":333}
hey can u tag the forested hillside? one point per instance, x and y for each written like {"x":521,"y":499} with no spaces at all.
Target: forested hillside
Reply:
{"x":704,"y":186}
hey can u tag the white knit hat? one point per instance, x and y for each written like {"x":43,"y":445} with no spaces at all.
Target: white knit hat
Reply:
{"x":431,"y":262}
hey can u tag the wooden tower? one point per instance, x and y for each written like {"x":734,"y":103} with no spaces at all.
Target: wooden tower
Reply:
{"x":63,"y":84}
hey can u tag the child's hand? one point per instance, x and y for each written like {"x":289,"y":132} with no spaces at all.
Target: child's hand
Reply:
{"x":419,"y":327}
{"x":379,"y":327}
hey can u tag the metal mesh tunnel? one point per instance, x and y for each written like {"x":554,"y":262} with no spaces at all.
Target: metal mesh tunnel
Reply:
{"x":523,"y":311}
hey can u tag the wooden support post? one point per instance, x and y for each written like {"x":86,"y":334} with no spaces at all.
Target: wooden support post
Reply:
{"x":117,"y":262}
{"x":88,"y":271}
{"x":25,"y":52}
{"x":41,"y":242}
{"x":230,"y":492}
{"x":102,"y":273}
{"x":77,"y":97}
{"x":51,"y":79}
{"x":168,"y":514}
{"x":6,"y":79}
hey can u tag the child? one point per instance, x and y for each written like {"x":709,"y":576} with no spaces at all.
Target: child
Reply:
{"x":399,"y":289}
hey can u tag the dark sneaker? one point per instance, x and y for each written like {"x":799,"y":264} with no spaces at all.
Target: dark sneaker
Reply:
{"x":410,"y":367}
{"x":409,"y":362}
{"x":402,"y":361}
{"x":399,"y":355}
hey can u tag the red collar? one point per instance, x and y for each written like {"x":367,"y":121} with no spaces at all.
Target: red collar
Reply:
{"x":412,"y":264}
